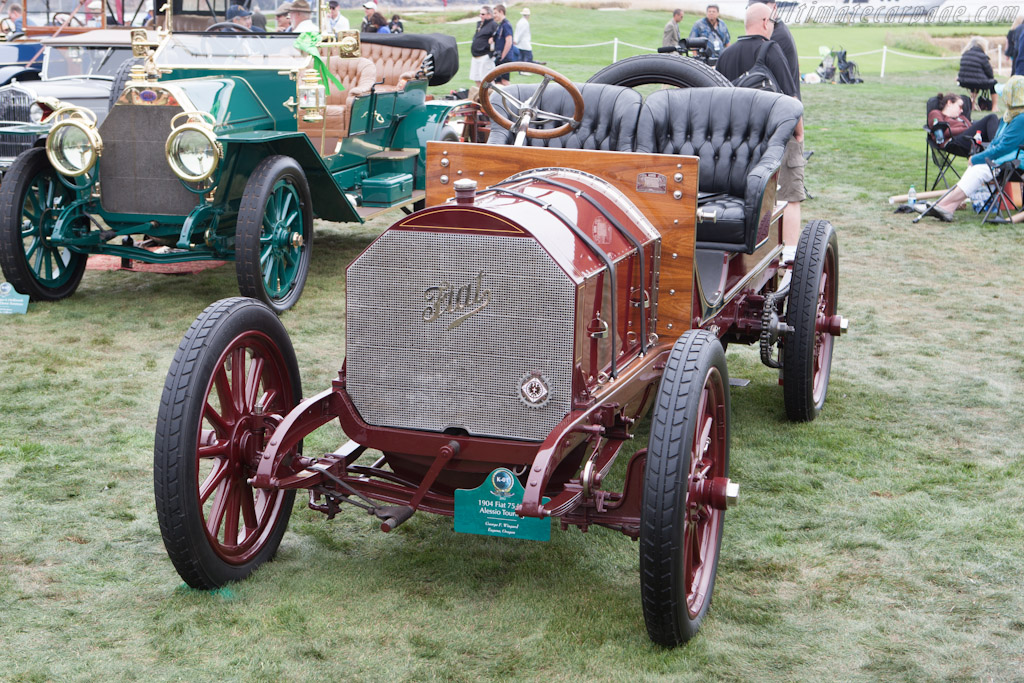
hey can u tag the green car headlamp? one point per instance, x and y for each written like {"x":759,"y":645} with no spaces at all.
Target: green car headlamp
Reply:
{"x":74,"y":143}
{"x":192,"y":148}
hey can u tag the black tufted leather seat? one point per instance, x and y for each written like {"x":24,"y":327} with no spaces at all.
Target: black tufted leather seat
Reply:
{"x":609,"y":116}
{"x":740,"y":135}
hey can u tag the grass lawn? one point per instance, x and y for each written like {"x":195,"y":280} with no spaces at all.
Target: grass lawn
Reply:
{"x":883,"y":541}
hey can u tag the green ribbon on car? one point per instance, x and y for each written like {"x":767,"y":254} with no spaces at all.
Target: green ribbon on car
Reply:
{"x":309,"y":42}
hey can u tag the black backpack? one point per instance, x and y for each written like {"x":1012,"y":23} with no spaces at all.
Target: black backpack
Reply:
{"x":759,"y":76}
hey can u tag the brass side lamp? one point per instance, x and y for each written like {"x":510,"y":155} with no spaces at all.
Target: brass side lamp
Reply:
{"x":312,"y":96}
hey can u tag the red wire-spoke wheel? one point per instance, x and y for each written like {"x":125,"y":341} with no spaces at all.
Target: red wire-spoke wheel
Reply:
{"x":232,"y":380}
{"x":686,"y":489}
{"x":811,"y":312}
{"x":528,"y":111}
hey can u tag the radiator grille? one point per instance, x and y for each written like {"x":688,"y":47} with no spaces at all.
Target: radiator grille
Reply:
{"x":134,"y":174}
{"x":14,"y":107}
{"x":404,"y":372}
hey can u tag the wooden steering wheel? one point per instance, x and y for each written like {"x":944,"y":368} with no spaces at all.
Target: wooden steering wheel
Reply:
{"x":62,"y":18}
{"x":6,"y":25}
{"x":528,"y":110}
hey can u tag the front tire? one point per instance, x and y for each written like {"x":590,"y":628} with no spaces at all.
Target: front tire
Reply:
{"x":274,"y":235}
{"x":215,"y":526}
{"x":813,"y":295}
{"x":687,"y":466}
{"x":31,"y":198}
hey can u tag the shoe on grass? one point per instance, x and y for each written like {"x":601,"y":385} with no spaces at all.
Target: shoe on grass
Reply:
{"x":936,"y":212}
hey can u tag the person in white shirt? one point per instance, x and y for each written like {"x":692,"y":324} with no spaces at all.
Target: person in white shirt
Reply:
{"x":521,"y":37}
{"x":336,"y":21}
{"x":299,"y":14}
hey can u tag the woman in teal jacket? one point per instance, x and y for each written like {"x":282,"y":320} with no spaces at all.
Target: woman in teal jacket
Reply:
{"x":1005,"y":146}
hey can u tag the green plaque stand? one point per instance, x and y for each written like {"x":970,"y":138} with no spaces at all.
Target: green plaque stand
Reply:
{"x":11,"y":301}
{"x":490,"y":510}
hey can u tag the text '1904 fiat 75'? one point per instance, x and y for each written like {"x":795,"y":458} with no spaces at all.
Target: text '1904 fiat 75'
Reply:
{"x":502,"y":344}
{"x":225,"y":146}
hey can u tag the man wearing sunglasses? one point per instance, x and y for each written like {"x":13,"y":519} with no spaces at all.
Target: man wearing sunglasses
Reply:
{"x":735,"y":61}
{"x":481,"y":47}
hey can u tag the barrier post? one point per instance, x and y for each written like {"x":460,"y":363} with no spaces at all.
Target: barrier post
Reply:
{"x":615,"y":50}
{"x":882,"y":75}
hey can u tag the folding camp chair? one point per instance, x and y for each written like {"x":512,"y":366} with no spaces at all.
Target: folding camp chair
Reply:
{"x":942,"y":154}
{"x":1004,"y":200}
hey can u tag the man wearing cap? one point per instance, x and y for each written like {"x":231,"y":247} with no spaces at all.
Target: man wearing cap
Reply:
{"x":240,"y":16}
{"x":336,"y":21}
{"x":94,"y":13}
{"x":284,"y":21}
{"x":367,"y":26}
{"x":299,"y":16}
{"x":521,"y":38}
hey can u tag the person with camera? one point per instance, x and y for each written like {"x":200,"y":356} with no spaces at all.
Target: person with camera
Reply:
{"x":712,"y":28}
{"x":504,"y":51}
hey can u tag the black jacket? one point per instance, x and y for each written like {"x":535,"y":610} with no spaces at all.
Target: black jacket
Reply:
{"x":737,"y":59}
{"x":481,"y":39}
{"x":784,"y":38}
{"x":975,"y":70}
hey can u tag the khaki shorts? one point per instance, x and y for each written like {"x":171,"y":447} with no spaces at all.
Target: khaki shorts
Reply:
{"x":791,"y":175}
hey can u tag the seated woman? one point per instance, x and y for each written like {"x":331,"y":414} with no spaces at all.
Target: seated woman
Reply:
{"x":1005,"y":146}
{"x":961,"y":131}
{"x":976,"y":71}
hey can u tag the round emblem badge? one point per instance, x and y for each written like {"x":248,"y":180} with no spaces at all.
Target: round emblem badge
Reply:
{"x":502,"y":481}
{"x":5,"y":288}
{"x":534,"y":390}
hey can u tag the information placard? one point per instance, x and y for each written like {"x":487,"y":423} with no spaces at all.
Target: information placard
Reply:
{"x":11,"y":301}
{"x":490,"y":510}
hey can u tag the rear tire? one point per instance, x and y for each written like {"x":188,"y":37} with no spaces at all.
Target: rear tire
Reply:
{"x":215,"y":526}
{"x":680,"y":533}
{"x":813,"y":297}
{"x":680,"y":72}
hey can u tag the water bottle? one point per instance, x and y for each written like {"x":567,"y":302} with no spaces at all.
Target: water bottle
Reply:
{"x":912,"y":196}
{"x":939,"y":137}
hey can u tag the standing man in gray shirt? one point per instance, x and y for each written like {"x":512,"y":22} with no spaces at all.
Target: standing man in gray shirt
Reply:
{"x":670,"y":36}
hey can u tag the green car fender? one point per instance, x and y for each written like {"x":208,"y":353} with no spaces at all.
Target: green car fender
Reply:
{"x":243,"y":151}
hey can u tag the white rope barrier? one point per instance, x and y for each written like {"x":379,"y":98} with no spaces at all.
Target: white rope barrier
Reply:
{"x":884,"y":50}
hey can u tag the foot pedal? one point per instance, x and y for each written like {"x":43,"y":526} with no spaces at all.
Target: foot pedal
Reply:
{"x":738,"y":382}
{"x":393,"y":515}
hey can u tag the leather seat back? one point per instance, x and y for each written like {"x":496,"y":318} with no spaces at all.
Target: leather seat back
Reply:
{"x":728,"y":128}
{"x":609,"y":116}
{"x":358,"y":76}
{"x":395,"y":65}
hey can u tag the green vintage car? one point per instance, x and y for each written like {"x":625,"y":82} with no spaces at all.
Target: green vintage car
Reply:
{"x":226,"y":146}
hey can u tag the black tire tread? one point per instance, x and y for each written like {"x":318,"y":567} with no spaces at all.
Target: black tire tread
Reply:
{"x":170,"y":477}
{"x":681,"y":72}
{"x":801,"y":310}
{"x":121,"y":76}
{"x":13,"y":263}
{"x":250,"y":226}
{"x":667,"y":461}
